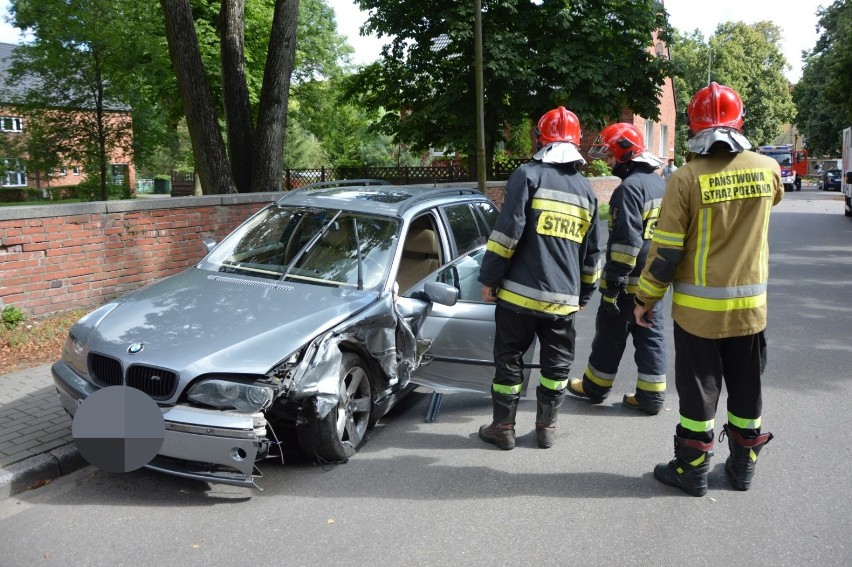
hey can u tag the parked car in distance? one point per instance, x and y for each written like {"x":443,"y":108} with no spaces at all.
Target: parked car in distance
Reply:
{"x":317,"y":314}
{"x":831,"y":180}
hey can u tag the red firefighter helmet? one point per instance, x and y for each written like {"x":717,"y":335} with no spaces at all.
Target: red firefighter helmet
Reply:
{"x":558,"y":125}
{"x":623,"y":140}
{"x":715,"y":106}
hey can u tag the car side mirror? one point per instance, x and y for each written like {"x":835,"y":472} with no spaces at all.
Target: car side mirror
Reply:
{"x":209,"y":244}
{"x":441,"y":293}
{"x":849,"y":177}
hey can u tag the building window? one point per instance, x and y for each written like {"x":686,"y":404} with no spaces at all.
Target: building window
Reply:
{"x":63,"y":171}
{"x":119,"y":173}
{"x":75,"y":170}
{"x":649,"y":135}
{"x":15,"y":173}
{"x":664,"y":140}
{"x":11,"y":124}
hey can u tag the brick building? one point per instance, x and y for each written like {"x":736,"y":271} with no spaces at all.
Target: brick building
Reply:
{"x":14,"y":124}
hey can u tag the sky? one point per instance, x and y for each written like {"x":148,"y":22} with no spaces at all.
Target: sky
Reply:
{"x":797,"y":20}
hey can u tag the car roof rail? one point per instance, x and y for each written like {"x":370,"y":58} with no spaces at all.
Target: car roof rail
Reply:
{"x":345,"y":183}
{"x":423,"y":192}
{"x":332,"y":184}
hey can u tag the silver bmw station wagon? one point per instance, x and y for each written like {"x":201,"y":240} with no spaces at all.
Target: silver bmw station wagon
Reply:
{"x":318,"y":313}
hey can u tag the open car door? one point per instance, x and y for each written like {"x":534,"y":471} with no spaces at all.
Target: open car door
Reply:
{"x":459,"y":339}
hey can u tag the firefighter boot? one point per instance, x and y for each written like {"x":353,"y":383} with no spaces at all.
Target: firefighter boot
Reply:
{"x":547,"y":412}
{"x":743,"y":458}
{"x":632,"y":401}
{"x":575,"y":387}
{"x":688,"y":470}
{"x":501,"y":432}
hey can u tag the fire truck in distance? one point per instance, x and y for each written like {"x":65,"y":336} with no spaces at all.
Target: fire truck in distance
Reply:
{"x":794,"y":164}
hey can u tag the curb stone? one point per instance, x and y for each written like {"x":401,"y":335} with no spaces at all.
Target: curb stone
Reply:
{"x":24,"y":475}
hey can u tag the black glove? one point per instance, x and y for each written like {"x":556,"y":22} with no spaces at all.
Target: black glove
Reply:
{"x":610,"y":297}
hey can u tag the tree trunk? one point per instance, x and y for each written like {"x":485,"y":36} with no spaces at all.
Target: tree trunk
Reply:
{"x":208,"y":148}
{"x":268,"y":161}
{"x":235,"y":93}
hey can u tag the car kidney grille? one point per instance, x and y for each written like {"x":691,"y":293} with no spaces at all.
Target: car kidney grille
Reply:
{"x":104,"y":370}
{"x":156,"y":382}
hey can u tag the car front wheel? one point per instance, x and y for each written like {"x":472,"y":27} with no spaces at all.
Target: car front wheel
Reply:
{"x":338,"y":435}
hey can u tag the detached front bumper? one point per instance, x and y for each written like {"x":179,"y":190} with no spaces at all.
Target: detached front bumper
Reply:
{"x":203,"y":444}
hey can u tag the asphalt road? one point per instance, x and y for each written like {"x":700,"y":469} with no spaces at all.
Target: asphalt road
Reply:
{"x":433,"y":494}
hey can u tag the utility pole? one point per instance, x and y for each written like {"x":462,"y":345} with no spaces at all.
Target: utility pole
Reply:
{"x":480,"y":96}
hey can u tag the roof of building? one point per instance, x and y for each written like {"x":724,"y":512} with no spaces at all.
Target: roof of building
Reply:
{"x":12,"y":91}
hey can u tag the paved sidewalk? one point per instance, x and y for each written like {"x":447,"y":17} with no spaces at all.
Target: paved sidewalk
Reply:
{"x":35,"y":432}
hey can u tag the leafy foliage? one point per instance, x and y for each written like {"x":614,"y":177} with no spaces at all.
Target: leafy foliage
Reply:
{"x":84,"y":55}
{"x":598,"y":168}
{"x":12,"y":316}
{"x":592,"y":57}
{"x":745,"y":57}
{"x":822,"y":95}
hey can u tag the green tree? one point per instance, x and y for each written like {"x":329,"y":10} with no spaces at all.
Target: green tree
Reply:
{"x":751,"y":62}
{"x":341,"y":126}
{"x":745,"y":57}
{"x":822,"y":95}
{"x":592,"y":57}
{"x":689,"y":59}
{"x":76,"y":59}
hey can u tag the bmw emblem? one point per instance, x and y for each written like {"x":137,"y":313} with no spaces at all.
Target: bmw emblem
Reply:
{"x":135,"y":348}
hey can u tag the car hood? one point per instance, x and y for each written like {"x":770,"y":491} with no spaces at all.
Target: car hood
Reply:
{"x":200,"y":321}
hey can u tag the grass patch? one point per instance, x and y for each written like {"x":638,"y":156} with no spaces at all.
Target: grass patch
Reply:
{"x":41,"y":202}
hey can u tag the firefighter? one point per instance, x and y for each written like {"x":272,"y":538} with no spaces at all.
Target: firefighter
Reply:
{"x":634,"y":208}
{"x":540,"y":267}
{"x":710,"y":245}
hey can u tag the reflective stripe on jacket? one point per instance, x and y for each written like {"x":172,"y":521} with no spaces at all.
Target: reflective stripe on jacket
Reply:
{"x":634,"y":208}
{"x":711,"y":244}
{"x":543,"y":253}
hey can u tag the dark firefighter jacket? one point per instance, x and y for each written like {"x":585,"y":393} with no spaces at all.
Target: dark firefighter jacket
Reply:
{"x":634,"y":208}
{"x":543,"y":253}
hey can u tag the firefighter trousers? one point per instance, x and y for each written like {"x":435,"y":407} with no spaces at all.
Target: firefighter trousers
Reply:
{"x":701,"y":365}
{"x":514,"y":335}
{"x":611,"y":333}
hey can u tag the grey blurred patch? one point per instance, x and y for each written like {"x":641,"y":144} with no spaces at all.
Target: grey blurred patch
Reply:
{"x":118,"y":429}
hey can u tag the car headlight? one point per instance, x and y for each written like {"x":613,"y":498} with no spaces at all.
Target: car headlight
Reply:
{"x":225,"y":394}
{"x":74,"y":355}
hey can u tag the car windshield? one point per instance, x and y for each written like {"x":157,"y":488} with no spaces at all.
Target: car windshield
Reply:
{"x":321,"y":246}
{"x":782,"y":158}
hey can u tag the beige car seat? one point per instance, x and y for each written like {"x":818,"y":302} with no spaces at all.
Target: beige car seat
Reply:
{"x":420,"y":257}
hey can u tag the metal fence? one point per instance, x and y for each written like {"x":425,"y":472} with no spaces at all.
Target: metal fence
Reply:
{"x":403,"y":175}
{"x":182,"y":184}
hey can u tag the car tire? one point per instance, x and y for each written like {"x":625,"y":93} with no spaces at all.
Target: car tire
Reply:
{"x":337,"y":436}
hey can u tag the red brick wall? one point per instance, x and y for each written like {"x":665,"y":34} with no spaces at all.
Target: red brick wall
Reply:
{"x":60,"y":257}
{"x":55,"y":258}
